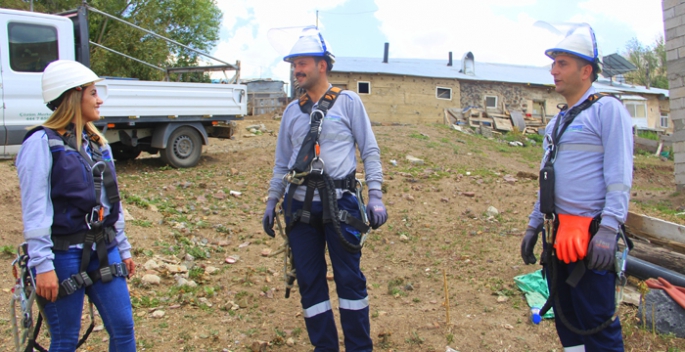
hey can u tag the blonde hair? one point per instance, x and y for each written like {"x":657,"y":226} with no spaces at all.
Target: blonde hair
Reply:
{"x":69,"y":111}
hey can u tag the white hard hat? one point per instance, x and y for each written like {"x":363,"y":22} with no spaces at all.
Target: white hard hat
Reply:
{"x":61,"y":75}
{"x":310,"y":43}
{"x":580,"y":41}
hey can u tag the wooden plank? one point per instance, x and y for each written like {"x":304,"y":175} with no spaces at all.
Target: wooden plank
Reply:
{"x":653,"y":228}
{"x":502,"y":124}
{"x":518,"y":121}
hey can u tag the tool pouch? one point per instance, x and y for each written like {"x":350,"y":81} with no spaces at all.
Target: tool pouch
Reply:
{"x":547,"y":189}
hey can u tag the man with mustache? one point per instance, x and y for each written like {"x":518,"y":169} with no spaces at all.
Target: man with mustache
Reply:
{"x":585,"y":182}
{"x":315,"y":153}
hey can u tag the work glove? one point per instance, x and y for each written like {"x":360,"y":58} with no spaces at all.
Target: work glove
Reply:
{"x":268,"y":219}
{"x":375,"y":209}
{"x":528,"y":245}
{"x":572,"y":238}
{"x":602,"y":252}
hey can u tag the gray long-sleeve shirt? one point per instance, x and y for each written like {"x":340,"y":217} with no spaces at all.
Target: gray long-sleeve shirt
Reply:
{"x":34,"y":165}
{"x":346,"y":124}
{"x":594,"y":165}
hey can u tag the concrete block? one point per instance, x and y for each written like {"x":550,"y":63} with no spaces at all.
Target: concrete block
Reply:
{"x":679,"y":169}
{"x":669,"y":4}
{"x":672,"y":55}
{"x":671,"y":33}
{"x":672,"y":22}
{"x":679,"y":147}
{"x":680,"y":9}
{"x":669,"y":13}
{"x":679,"y":158}
{"x":668,"y":316}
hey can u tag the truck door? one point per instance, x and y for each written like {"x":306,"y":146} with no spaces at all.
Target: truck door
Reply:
{"x":3,"y":128}
{"x":28,"y":43}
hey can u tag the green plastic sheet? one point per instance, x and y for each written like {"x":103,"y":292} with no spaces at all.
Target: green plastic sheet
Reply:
{"x":534,"y":286}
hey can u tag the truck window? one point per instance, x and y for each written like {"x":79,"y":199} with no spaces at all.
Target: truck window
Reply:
{"x":32,"y":47}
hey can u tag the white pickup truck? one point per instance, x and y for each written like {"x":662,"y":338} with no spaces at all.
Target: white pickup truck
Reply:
{"x":172,"y":118}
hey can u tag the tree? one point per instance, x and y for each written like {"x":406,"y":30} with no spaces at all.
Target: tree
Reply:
{"x":194,"y":23}
{"x":650,"y":62}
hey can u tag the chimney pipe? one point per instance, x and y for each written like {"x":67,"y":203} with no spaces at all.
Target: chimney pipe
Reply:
{"x":385,"y":53}
{"x":449,"y":63}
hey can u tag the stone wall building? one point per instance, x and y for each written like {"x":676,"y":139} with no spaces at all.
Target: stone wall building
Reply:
{"x":419,"y":90}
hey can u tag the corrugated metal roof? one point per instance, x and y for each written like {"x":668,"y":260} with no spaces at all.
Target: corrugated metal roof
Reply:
{"x":483,"y":72}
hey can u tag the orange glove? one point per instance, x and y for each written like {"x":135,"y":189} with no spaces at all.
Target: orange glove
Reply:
{"x":573,"y":237}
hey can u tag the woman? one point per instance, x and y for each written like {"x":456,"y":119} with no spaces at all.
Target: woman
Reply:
{"x":73,"y":219}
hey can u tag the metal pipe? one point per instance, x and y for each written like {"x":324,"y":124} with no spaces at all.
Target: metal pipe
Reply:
{"x":155,"y":34}
{"x":644,"y":270}
{"x":385,"y":53}
{"x":127,"y":56}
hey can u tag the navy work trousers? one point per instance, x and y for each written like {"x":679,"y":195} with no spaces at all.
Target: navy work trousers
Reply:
{"x":309,"y":254}
{"x":586,"y":306}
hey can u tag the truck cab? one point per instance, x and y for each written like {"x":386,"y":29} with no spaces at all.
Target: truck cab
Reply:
{"x":30,"y":41}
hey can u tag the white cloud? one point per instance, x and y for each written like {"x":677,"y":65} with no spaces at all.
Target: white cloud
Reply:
{"x":248,"y":43}
{"x":645,"y":17}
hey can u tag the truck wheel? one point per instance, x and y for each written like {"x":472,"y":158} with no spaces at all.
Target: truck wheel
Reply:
{"x":122,"y":152}
{"x":183,"y":149}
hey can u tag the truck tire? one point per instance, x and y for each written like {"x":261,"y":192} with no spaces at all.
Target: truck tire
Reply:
{"x":122,"y":152}
{"x":183,"y":148}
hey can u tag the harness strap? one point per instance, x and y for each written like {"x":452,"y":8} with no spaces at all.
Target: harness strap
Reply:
{"x":86,"y":279}
{"x":62,"y":243}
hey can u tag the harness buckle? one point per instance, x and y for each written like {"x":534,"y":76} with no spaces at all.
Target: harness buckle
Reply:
{"x":106,"y":274}
{"x":82,"y":279}
{"x":319,"y":170}
{"x":342,"y":216}
{"x":69,"y":285}
{"x":120,"y":270}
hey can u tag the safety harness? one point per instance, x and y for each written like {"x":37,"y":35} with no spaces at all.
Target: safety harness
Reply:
{"x":308,"y":170}
{"x":551,"y":224}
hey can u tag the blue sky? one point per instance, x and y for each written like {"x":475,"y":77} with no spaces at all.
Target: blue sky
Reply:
{"x":494,"y":30}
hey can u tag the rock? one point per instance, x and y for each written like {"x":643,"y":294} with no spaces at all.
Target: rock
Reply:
{"x":201,"y":199}
{"x":174,"y":269}
{"x":669,"y":317}
{"x":409,"y":197}
{"x":329,"y":276}
{"x":516,"y":144}
{"x":509,"y":179}
{"x":244,"y":244}
{"x":468,"y":194}
{"x":99,"y":328}
{"x":502,"y":299}
{"x":211,"y":270}
{"x":404,"y":238}
{"x":414,"y":160}
{"x":150,"y":279}
{"x":185,"y":282}
{"x":158,"y":314}
{"x":249,"y":135}
{"x":230,"y":260}
{"x":508,"y":326}
{"x":151,"y":265}
{"x":492,"y":211}
{"x":393,"y":162}
{"x":445,"y":200}
{"x":235,"y":194}
{"x":485,"y":131}
{"x":152,"y":207}
{"x":290,"y":342}
{"x":220,"y":195}
{"x":266,"y":252}
{"x":234,"y":171}
{"x":258,"y":346}
{"x":188,"y":257}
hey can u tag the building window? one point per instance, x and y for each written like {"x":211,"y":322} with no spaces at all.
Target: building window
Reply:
{"x":664,"y":121}
{"x":363,"y":87}
{"x":490,"y":101}
{"x":443,"y":93}
{"x":637,"y":109}
{"x":32,"y":47}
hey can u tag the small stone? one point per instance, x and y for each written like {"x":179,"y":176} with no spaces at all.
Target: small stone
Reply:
{"x":230,"y":260}
{"x":189,"y":257}
{"x":492,"y":211}
{"x":150,"y":279}
{"x":508,"y":326}
{"x":151,"y":265}
{"x":174,"y":269}
{"x":99,"y":328}
{"x":468,"y":194}
{"x":528,"y":175}
{"x":220,"y":195}
{"x":509,"y":179}
{"x":158,"y":314}
{"x":234,"y":171}
{"x":404,"y":238}
{"x":128,"y":216}
{"x":244,"y":244}
{"x":414,"y":160}
{"x":290,"y":342}
{"x":141,"y":314}
{"x":201,"y":199}
{"x":152,"y":207}
{"x":445,"y":200}
{"x":211,"y":270}
{"x":329,"y":276}
{"x":258,"y":346}
{"x":409,"y":197}
{"x":235,"y":194}
{"x":266,"y":252}
{"x":502,"y":299}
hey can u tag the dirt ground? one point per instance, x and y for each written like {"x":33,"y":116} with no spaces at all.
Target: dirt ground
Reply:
{"x":439,"y":238}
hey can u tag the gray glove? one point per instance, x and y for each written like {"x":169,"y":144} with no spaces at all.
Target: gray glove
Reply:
{"x":602,"y":251}
{"x":528,"y":245}
{"x":268,"y":219}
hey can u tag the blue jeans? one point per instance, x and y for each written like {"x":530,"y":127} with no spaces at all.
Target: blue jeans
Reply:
{"x":111,"y":299}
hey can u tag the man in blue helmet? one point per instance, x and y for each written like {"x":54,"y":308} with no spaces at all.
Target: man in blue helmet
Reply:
{"x":586,"y":176}
{"x":315,"y":159}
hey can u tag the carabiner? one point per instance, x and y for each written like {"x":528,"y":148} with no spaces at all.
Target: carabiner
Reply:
{"x":319,"y":170}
